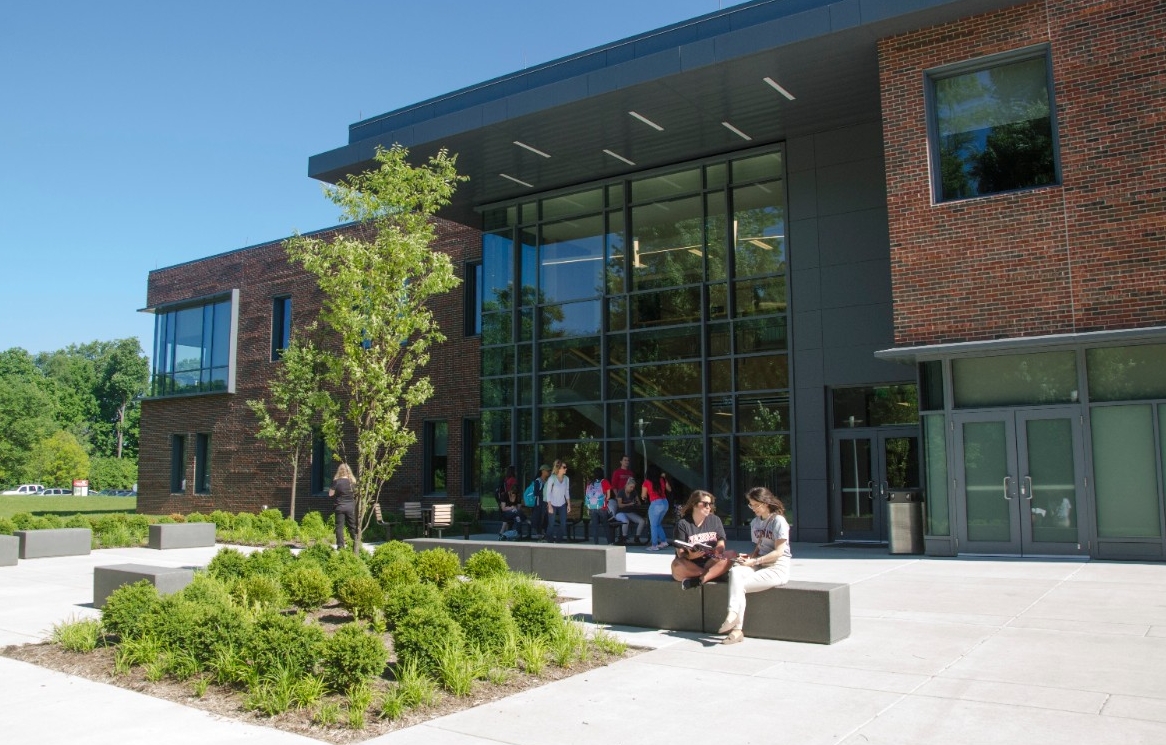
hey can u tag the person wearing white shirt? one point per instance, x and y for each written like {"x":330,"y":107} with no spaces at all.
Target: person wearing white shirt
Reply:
{"x":557,"y":495}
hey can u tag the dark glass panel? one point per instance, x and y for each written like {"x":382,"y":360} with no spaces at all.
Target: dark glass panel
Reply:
{"x":721,"y":416}
{"x":525,"y":391}
{"x":525,"y":358}
{"x":757,"y":167}
{"x":526,"y":324}
{"x":764,"y":414}
{"x":615,"y":195}
{"x":931,"y":385}
{"x":573,"y":204}
{"x":617,"y":349}
{"x":497,"y":328}
{"x":616,"y":418}
{"x":721,"y":376}
{"x":572,"y":260}
{"x":571,"y":319}
{"x":617,"y":313}
{"x":720,"y":340}
{"x":569,"y":387}
{"x":718,"y":303}
{"x":616,"y":254}
{"x":497,"y":271}
{"x":676,"y":379}
{"x":569,"y":354}
{"x":496,"y":426}
{"x":667,"y":244}
{"x":761,"y":335}
{"x":721,"y":479}
{"x":759,"y":229}
{"x":498,"y":361}
{"x":677,"y":416}
{"x":568,"y":422}
{"x":715,"y":175}
{"x":497,"y":392}
{"x":760,"y":296}
{"x":528,"y":266}
{"x":668,"y":185}
{"x":875,"y":406}
{"x":617,"y":383}
{"x":666,"y":345}
{"x":715,"y":235}
{"x":765,"y":461}
{"x":761,"y":373}
{"x":681,"y":305}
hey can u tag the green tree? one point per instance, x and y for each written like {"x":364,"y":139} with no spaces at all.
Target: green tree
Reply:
{"x":107,"y":472}
{"x":58,"y":460}
{"x":123,"y":372}
{"x":27,"y":413}
{"x":376,"y":294}
{"x":298,"y":405}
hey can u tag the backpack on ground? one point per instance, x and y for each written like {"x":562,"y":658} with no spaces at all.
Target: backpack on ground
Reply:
{"x":529,"y":497}
{"x":594,"y":495}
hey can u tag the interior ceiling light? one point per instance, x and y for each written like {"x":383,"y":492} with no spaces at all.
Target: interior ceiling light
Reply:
{"x":774,"y":85}
{"x":736,"y":131}
{"x":619,"y":157}
{"x":647,"y":121}
{"x":533,"y":149}
{"x":516,"y":180}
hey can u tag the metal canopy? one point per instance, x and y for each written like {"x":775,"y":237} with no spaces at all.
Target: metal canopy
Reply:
{"x":687,"y":79}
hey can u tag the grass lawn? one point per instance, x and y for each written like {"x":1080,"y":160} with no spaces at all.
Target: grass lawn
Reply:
{"x":10,"y":505}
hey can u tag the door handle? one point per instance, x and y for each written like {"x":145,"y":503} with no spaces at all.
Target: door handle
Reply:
{"x":870,"y":490}
{"x":1007,"y":487}
{"x":1027,"y":480}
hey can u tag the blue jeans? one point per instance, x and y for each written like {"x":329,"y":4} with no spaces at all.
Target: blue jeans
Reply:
{"x":557,"y":525}
{"x":656,"y":512}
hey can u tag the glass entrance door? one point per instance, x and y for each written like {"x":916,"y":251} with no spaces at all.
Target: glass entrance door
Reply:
{"x":866,"y":468}
{"x":1020,"y":482}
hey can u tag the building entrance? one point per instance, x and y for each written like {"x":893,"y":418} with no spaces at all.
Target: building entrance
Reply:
{"x":1020,"y":482}
{"x":866,"y":466}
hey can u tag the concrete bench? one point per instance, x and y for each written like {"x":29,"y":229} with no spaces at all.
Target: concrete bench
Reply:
{"x":817,"y":612}
{"x":555,"y":562}
{"x":9,"y":550}
{"x":167,"y":580}
{"x":39,"y":544}
{"x":181,"y":535}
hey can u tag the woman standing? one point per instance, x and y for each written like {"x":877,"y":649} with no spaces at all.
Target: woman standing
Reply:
{"x":345,"y":505}
{"x":655,"y":492}
{"x":692,"y":567}
{"x":557,"y":494}
{"x":766,"y":566}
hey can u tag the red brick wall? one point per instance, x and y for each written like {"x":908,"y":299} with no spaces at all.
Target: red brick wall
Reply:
{"x":245,"y":474}
{"x":1087,"y":255}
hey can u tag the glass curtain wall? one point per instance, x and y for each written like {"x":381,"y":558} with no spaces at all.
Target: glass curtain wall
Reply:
{"x":648,"y":314}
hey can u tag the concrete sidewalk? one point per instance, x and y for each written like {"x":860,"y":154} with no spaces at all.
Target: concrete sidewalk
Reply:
{"x":942,"y":651}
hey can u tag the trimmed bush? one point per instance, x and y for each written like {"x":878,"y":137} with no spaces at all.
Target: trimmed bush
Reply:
{"x":388,"y":553}
{"x":7,"y":527}
{"x":343,"y":565}
{"x":127,"y":608}
{"x":307,"y":585}
{"x":223,"y":520}
{"x":534,"y":610}
{"x":277,"y":640}
{"x":312,"y":528}
{"x":195,"y":628}
{"x":270,"y":562}
{"x":401,"y":599}
{"x":437,"y":566}
{"x":398,"y":574}
{"x":228,"y":565}
{"x":486,"y":563}
{"x":361,"y":596}
{"x":421,"y":634}
{"x":259,"y":590}
{"x":483,"y":616}
{"x":351,"y":656}
{"x":318,"y":553}
{"x":208,"y":590}
{"x":78,"y":521}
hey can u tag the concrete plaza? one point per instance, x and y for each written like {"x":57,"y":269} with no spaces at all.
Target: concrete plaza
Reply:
{"x":942,"y":651}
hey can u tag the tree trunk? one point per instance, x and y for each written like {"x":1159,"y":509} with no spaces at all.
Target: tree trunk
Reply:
{"x":295,"y":479}
{"x":121,"y":423}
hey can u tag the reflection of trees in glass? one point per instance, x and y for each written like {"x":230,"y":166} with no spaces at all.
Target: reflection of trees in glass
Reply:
{"x":668,"y":243}
{"x":1126,"y":373}
{"x":995,"y":130}
{"x":759,"y":229}
{"x":680,"y":447}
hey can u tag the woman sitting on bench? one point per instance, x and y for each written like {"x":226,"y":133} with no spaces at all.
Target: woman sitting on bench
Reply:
{"x":766,"y":566}
{"x":705,"y":533}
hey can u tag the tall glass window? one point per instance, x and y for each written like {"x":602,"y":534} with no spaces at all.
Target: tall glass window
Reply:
{"x":202,"y":463}
{"x":992,"y":127}
{"x":1125,"y":472}
{"x":177,"y":464}
{"x":281,"y":319}
{"x":192,"y":349}
{"x":436,"y":456}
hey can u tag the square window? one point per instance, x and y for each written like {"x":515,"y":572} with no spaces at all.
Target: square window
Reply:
{"x":992,"y":127}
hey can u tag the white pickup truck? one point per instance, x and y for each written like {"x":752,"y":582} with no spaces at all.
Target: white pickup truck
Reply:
{"x":26,"y":489}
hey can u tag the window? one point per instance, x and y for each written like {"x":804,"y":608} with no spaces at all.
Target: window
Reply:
{"x":202,"y":464}
{"x":473,"y":304}
{"x":471,"y":456}
{"x":436,"y":457}
{"x":178,"y":464}
{"x":281,"y":317}
{"x":992,"y":127}
{"x":321,"y":464}
{"x":194,"y":348}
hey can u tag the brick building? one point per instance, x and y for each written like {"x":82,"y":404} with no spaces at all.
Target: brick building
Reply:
{"x":842,"y":249}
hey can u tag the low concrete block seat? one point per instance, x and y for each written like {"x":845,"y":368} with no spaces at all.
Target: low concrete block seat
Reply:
{"x":817,"y":612}
{"x":39,"y":544}
{"x":181,"y":535}
{"x":168,"y":580}
{"x":556,"y":562}
{"x":9,"y":550}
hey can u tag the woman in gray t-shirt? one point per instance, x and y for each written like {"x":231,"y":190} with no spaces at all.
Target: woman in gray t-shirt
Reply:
{"x":766,"y":566}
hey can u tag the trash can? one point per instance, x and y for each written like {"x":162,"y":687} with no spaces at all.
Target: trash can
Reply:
{"x":905,"y":521}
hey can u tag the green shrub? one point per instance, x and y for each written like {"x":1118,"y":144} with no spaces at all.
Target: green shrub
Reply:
{"x":421,"y":634}
{"x":127,"y":608}
{"x":228,"y":565}
{"x":270,"y":562}
{"x":312,"y":528}
{"x":244,"y":522}
{"x":486,"y":563}
{"x":78,"y":521}
{"x":198,"y":517}
{"x":52,"y":521}
{"x":361,"y":596}
{"x":276,"y":639}
{"x":437,"y":566}
{"x":401,"y":599}
{"x":397,"y":574}
{"x":196,"y":628}
{"x":7,"y":527}
{"x":352,"y":655}
{"x":318,"y":553}
{"x":388,"y":553}
{"x":535,"y":611}
{"x":207,"y":590}
{"x":343,"y":565}
{"x":77,"y":634}
{"x":259,"y":591}
{"x":222,"y":520}
{"x":307,"y":586}
{"x":23,"y":521}
{"x":483,"y":616}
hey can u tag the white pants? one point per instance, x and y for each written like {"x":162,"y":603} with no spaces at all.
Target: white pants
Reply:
{"x":743,"y":579}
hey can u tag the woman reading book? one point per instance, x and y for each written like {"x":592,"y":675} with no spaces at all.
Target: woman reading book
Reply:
{"x":766,"y":566}
{"x":699,"y":538}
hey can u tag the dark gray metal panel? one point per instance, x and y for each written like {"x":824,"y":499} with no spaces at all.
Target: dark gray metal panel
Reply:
{"x":857,"y":366}
{"x":847,"y":144}
{"x":855,"y":237}
{"x":803,"y":244}
{"x":861,"y":284}
{"x":697,"y":54}
{"x":810,"y":403}
{"x":803,"y":195}
{"x":811,"y":450}
{"x":807,"y":330}
{"x":851,"y":187}
{"x":856,"y":325}
{"x":806,"y":289}
{"x":808,"y":369}
{"x":799,"y":154}
{"x":845,"y":14}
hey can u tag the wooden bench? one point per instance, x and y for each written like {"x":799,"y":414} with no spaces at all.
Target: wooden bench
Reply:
{"x":9,"y":550}
{"x":167,"y":580}
{"x":817,"y":612}
{"x":181,"y":535}
{"x":39,"y":544}
{"x":413,"y":515}
{"x":555,"y":562}
{"x":438,"y":517}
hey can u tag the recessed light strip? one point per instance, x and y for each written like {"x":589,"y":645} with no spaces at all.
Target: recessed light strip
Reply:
{"x":516,"y":180}
{"x":619,"y":157}
{"x":534,"y":150}
{"x":736,"y":131}
{"x":647,"y":121}
{"x":774,"y":85}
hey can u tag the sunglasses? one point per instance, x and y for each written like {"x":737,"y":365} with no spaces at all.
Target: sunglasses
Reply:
{"x":705,"y":502}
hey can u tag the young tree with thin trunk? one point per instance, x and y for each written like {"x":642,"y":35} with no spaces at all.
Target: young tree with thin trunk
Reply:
{"x":376,"y":307}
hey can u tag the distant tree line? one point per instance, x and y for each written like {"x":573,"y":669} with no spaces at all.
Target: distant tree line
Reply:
{"x":72,"y":414}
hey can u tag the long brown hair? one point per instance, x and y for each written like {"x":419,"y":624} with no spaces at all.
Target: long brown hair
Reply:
{"x":695,"y":497}
{"x":765,"y":497}
{"x":343,"y":472}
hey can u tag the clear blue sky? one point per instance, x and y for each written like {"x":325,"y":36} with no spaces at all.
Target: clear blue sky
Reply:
{"x":139,"y":135}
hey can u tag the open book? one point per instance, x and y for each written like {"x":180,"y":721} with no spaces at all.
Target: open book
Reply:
{"x":693,"y":546}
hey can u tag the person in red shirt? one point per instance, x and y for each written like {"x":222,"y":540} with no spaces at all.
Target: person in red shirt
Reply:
{"x":621,"y":475}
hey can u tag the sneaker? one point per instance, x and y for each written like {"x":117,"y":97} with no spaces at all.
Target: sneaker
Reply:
{"x":690,"y":583}
{"x":653,"y":548}
{"x":729,"y":624}
{"x":734,"y":636}
{"x":663,"y":545}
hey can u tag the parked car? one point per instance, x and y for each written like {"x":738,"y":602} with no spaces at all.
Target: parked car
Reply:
{"x":57,"y":493}
{"x":26,"y":489}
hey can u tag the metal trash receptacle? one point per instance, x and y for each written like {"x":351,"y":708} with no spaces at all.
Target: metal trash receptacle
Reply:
{"x":905,"y":521}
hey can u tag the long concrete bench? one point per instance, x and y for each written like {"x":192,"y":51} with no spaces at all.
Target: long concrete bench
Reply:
{"x":167,"y":580}
{"x":9,"y":550}
{"x":556,"y":562}
{"x":817,"y":612}
{"x":181,"y":535}
{"x":39,"y":544}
